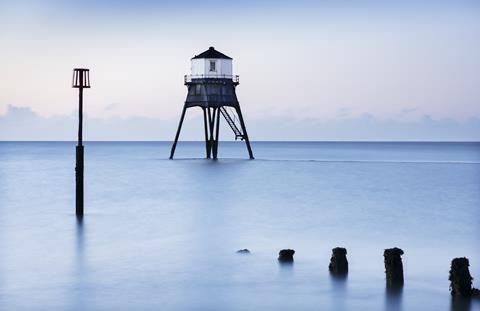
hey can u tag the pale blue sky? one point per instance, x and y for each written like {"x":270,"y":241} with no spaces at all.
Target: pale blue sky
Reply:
{"x":332,"y":62}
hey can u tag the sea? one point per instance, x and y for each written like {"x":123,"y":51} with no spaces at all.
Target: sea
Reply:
{"x":162,"y":234}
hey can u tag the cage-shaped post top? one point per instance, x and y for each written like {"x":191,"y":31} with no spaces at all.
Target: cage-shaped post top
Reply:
{"x":81,"y":78}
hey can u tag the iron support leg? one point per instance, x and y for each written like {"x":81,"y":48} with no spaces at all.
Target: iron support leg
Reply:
{"x":207,"y":143}
{"x":209,"y":139}
{"x":212,"y":128}
{"x":244,"y":130}
{"x":178,"y":132}
{"x":217,"y":125}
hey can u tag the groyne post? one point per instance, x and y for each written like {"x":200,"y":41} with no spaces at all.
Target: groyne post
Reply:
{"x":393,"y":267}
{"x":286,"y":255}
{"x":338,"y":261}
{"x":460,"y":278}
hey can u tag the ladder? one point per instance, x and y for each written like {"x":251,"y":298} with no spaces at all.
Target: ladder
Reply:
{"x":231,"y":123}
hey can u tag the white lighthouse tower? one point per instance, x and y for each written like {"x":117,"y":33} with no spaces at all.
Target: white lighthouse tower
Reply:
{"x":211,"y":86}
{"x":211,"y":64}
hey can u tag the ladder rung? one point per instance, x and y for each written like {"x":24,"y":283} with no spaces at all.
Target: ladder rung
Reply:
{"x":231,"y":123}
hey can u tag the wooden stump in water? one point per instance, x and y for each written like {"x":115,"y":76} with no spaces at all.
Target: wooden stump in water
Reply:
{"x":286,"y":255}
{"x":393,"y":267}
{"x":460,"y":278}
{"x":338,"y":262}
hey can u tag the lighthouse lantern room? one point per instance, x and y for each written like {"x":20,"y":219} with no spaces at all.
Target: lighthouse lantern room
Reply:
{"x":211,"y":64}
{"x":211,"y":86}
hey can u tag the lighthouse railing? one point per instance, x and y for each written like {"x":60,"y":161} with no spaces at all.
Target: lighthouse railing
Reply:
{"x":188,"y":78}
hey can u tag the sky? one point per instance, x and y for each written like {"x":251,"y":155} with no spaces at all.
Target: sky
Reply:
{"x":309,"y":70}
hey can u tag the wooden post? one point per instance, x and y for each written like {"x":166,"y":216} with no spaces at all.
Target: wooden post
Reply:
{"x":339,"y":263}
{"x":460,"y":278}
{"x":286,"y":255}
{"x":393,"y":267}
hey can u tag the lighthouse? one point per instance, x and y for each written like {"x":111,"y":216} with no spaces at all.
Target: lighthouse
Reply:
{"x":211,"y":86}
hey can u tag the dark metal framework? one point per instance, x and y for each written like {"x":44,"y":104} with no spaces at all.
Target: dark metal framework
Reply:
{"x":81,"y":80}
{"x":213,"y":95}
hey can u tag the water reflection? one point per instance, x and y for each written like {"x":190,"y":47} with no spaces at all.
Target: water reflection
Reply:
{"x":286,"y":267}
{"x":339,"y":286}
{"x":79,"y":240}
{"x":125,"y":262}
{"x":339,"y":281}
{"x":460,"y":304}
{"x":393,"y":298}
{"x":79,"y":269}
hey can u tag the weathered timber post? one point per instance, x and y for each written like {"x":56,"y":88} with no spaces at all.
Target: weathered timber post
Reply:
{"x":338,"y":262}
{"x":460,"y":278}
{"x":394,"y":267}
{"x":286,"y":255}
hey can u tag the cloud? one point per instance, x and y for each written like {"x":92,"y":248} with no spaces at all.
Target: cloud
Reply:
{"x":111,"y":107}
{"x":23,"y":124}
{"x":343,"y":112}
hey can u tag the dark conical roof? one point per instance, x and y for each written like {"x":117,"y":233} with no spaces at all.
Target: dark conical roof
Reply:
{"x":211,"y":53}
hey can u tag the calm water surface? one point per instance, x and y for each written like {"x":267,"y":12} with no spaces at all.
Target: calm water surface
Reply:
{"x":161,"y":234}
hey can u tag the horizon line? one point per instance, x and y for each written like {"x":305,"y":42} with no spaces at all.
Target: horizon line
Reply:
{"x":256,"y":141}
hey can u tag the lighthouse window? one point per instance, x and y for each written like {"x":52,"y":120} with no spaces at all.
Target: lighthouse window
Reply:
{"x":212,"y":66}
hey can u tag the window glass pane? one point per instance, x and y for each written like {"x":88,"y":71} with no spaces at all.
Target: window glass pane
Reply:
{"x":212,"y":66}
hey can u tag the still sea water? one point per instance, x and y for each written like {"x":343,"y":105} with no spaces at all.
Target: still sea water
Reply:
{"x":162,"y":235}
